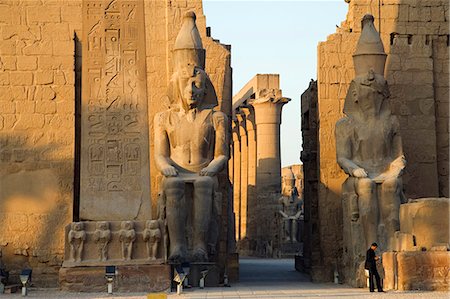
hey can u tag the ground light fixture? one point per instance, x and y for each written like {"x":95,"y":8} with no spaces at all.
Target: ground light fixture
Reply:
{"x":179,"y":278}
{"x":201,"y":283}
{"x":110,"y":275}
{"x":25,"y":278}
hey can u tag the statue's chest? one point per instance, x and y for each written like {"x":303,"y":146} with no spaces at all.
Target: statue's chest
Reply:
{"x":372,"y":141}
{"x":193,"y":133}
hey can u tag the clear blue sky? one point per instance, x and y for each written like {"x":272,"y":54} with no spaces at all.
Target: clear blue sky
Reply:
{"x":278,"y":37}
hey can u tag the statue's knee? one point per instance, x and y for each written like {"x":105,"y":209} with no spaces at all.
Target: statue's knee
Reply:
{"x":173,"y":183}
{"x":365,"y":185}
{"x":205,"y":182}
{"x":390,"y":185}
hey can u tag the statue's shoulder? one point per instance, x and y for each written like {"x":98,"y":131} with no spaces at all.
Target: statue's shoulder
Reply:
{"x":163,"y":116}
{"x":345,"y":123}
{"x":219,"y":116}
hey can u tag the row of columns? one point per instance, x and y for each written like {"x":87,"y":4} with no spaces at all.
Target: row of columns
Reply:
{"x":256,"y":170}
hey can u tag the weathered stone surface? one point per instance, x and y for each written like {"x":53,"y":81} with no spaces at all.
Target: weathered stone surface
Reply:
{"x":114,"y":142}
{"x":369,"y":149}
{"x":191,"y":148}
{"x":106,"y":243}
{"x":427,"y":221}
{"x":423,"y":270}
{"x":41,"y":144}
{"x":139,"y":278}
{"x":406,"y":41}
{"x":257,"y":166}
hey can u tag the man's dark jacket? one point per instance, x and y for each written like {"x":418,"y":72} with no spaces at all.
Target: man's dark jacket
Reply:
{"x":370,"y":260}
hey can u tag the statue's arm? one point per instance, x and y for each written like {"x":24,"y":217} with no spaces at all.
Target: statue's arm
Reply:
{"x":162,"y":147}
{"x":220,"y":122}
{"x":343,"y":149}
{"x":399,"y":163}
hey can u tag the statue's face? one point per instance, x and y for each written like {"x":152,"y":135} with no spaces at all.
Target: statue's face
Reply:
{"x":78,"y":226}
{"x":370,"y":99}
{"x":103,"y":225}
{"x":191,"y":85}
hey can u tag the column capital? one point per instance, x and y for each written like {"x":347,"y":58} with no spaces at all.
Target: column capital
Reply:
{"x":268,"y":106}
{"x":249,"y":112}
{"x":235,"y":130}
{"x":242,"y":122}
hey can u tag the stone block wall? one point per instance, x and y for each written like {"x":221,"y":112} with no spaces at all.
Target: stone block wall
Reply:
{"x":413,"y":33}
{"x":38,"y":90}
{"x":37,"y":105}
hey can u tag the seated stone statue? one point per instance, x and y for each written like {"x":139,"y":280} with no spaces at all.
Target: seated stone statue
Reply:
{"x":369,"y":146}
{"x":191,"y":146}
{"x":292,"y":208}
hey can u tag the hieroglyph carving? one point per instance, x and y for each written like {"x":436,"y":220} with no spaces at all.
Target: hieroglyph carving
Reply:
{"x":114,"y":156}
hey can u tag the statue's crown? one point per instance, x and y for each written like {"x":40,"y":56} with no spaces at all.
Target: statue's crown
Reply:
{"x":188,"y":48}
{"x":369,"y":52}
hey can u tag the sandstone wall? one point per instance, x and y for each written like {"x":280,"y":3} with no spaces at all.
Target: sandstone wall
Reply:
{"x":413,"y":33}
{"x":37,"y":104}
{"x":38,"y":97}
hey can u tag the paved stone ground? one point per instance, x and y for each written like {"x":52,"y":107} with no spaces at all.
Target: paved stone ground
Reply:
{"x":259,"y":279}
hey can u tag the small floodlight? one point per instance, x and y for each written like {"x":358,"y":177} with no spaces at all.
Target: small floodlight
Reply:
{"x":110,"y":275}
{"x":25,"y":278}
{"x":179,"y":278}
{"x":201,"y":284}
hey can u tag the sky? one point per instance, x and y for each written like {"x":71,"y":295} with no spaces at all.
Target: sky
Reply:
{"x":276,"y":37}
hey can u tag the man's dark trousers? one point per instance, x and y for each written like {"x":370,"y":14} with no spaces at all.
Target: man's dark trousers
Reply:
{"x":373,"y":272}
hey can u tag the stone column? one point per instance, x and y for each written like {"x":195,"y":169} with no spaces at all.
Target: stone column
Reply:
{"x":251,"y":172}
{"x":244,"y":174}
{"x":268,"y":106}
{"x":236,"y":176}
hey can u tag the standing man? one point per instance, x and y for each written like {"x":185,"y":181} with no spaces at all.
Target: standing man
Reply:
{"x":371,"y":265}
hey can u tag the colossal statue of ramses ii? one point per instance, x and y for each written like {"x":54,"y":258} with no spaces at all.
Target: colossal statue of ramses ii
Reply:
{"x":191,"y":147}
{"x":369,"y":146}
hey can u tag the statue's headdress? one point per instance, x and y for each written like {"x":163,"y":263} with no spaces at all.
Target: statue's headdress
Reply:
{"x":369,"y":52}
{"x":188,"y":48}
{"x":369,"y":60}
{"x":188,"y":52}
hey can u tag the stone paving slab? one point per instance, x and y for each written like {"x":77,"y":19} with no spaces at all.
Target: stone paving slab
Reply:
{"x":301,"y":290}
{"x":261,"y":279}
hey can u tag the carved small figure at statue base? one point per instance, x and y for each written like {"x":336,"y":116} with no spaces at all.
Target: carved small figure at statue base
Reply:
{"x":152,"y":238}
{"x":292,"y":208}
{"x":191,"y":147}
{"x":127,"y":236}
{"x":76,"y":239}
{"x":369,"y":146}
{"x":102,"y":236}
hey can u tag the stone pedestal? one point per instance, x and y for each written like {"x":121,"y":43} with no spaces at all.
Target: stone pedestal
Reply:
{"x":137,"y":278}
{"x":422,"y":260}
{"x":417,"y":270}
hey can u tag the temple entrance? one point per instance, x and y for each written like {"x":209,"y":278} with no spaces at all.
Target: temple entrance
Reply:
{"x":254,"y":272}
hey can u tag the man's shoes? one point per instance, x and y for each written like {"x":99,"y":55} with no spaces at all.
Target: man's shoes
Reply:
{"x":380,"y":291}
{"x":372,"y":291}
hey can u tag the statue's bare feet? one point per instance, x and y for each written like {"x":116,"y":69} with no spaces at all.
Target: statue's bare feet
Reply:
{"x":200,"y":255}
{"x":176,"y":255}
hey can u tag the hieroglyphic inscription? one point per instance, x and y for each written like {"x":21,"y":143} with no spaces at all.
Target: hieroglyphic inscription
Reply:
{"x":114,"y":159}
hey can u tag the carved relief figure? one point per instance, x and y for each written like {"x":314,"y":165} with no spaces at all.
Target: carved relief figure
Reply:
{"x":191,"y":145}
{"x":369,"y":146}
{"x":76,"y":237}
{"x":127,"y":236}
{"x":292,"y":207}
{"x":102,"y":236}
{"x":152,"y":237}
